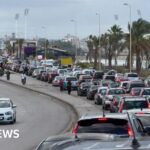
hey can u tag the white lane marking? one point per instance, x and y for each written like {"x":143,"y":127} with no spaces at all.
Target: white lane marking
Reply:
{"x":92,"y":146}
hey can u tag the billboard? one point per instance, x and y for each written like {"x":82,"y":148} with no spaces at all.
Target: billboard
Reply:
{"x":29,"y":50}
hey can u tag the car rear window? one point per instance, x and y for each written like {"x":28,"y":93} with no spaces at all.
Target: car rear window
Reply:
{"x":132,"y":75}
{"x":146,"y":92}
{"x":116,"y":91}
{"x":98,"y":74}
{"x":135,"y":104}
{"x":136,"y":91}
{"x":71,"y":79}
{"x":110,"y":78}
{"x":103,"y":91}
{"x":104,"y":125}
{"x":145,"y":120}
{"x":137,"y":85}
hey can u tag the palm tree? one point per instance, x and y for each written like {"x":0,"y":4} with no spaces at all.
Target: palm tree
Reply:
{"x":9,"y":48}
{"x":112,"y":42}
{"x":140,"y":45}
{"x":90,"y":52}
{"x":93,"y":48}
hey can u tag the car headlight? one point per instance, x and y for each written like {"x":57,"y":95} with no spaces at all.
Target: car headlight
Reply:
{"x":8,"y":113}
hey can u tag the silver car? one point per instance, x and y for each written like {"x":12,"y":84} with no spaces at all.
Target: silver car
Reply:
{"x":7,"y":111}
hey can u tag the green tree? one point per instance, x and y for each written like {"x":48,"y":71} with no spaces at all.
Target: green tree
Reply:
{"x":112,"y":42}
{"x":140,"y":44}
{"x":9,"y":48}
{"x":93,"y":44}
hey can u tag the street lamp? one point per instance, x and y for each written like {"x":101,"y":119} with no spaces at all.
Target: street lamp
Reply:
{"x":139,"y":13}
{"x":17,"y":37}
{"x":26,"y":11}
{"x":75,"y":33}
{"x":99,"y":42}
{"x":16,"y":18}
{"x":130,"y":65}
{"x":43,"y":27}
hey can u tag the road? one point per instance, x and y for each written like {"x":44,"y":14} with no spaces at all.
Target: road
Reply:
{"x":38,"y":117}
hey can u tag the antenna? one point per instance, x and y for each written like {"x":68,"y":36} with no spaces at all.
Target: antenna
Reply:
{"x":135,"y":144}
{"x":103,"y":110}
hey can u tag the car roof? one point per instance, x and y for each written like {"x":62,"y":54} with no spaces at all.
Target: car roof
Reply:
{"x":4,"y":99}
{"x":139,"y":111}
{"x":146,"y":88}
{"x":102,"y":87}
{"x":135,"y":99}
{"x":107,"y":115}
{"x":115,"y":88}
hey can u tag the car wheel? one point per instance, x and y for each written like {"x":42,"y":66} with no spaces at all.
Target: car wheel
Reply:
{"x":14,"y":120}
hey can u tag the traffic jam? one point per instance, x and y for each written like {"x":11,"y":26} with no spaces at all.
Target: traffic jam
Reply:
{"x":123,"y":120}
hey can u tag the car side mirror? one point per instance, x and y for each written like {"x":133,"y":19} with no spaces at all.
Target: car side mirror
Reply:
{"x":14,"y":106}
{"x":147,"y":130}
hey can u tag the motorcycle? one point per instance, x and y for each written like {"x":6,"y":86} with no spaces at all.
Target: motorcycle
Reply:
{"x":23,"y":81}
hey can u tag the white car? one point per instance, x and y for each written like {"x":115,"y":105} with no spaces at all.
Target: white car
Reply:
{"x":7,"y":111}
{"x":132,"y":76}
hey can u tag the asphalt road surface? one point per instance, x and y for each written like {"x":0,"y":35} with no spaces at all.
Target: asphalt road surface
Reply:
{"x":38,"y":117}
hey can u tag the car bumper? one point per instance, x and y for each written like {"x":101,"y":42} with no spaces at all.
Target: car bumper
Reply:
{"x":7,"y":118}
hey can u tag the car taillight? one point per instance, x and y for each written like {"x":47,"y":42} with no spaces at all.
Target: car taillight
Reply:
{"x":121,"y":108}
{"x":148,"y":105}
{"x":140,"y":113}
{"x":130,"y":132}
{"x":103,"y":119}
{"x":132,"y":93}
{"x":75,"y":130}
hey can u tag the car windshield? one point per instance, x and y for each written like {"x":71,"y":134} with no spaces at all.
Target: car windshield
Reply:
{"x":4,"y":104}
{"x":116,"y":91}
{"x":104,"y":125}
{"x":135,"y":104}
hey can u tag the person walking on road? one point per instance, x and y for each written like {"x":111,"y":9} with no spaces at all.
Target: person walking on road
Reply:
{"x":69,"y":87}
{"x":61,"y":82}
{"x":8,"y":75}
{"x":23,"y":78}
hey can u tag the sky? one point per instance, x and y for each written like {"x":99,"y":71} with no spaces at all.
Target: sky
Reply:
{"x":52,"y":18}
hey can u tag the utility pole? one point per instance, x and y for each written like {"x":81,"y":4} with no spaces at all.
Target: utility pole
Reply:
{"x":100,"y":66}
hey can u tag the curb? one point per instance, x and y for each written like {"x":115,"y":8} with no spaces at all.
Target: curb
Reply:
{"x":56,"y":99}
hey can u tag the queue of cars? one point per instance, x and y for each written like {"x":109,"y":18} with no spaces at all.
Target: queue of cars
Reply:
{"x":123,"y":123}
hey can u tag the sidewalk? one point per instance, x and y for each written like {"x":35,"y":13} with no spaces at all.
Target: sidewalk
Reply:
{"x":80,"y":105}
